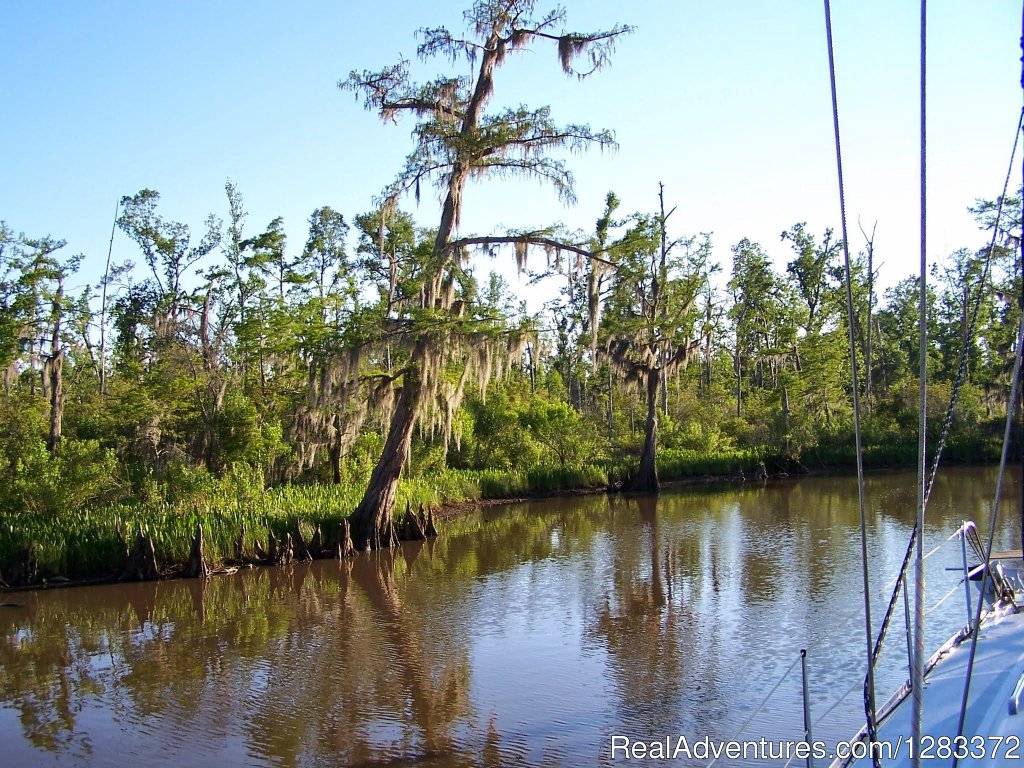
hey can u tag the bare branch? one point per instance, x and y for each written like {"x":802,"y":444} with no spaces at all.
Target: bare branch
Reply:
{"x":439,"y":40}
{"x":530,"y":239}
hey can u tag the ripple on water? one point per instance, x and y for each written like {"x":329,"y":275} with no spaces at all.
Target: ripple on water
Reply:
{"x":529,"y":642}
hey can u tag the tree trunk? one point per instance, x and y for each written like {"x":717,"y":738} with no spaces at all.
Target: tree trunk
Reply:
{"x":647,"y":477}
{"x":739,"y":379}
{"x":196,"y":568}
{"x":785,"y":417}
{"x":208,"y":448}
{"x":334,"y":451}
{"x":103,"y":307}
{"x":611,"y":402}
{"x":883,"y":379}
{"x":141,"y":563}
{"x":345,"y":548}
{"x":372,"y":522}
{"x":533,"y":370}
{"x":707,"y":362}
{"x":56,"y":373}
{"x":664,"y":391}
{"x":299,"y":549}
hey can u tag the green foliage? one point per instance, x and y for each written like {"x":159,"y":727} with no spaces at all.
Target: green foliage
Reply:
{"x":241,"y":436}
{"x":496,"y":438}
{"x":562,"y":432}
{"x":77,"y":474}
{"x":259,"y":391}
{"x":680,"y":463}
{"x":90,"y":541}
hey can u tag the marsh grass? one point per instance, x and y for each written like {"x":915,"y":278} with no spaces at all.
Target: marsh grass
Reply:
{"x":91,"y":542}
{"x":679,"y":463}
{"x":958,"y":450}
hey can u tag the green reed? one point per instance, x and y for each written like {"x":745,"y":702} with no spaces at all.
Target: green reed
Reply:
{"x":94,"y":542}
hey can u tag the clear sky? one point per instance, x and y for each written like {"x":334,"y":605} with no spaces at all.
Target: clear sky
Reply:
{"x":727,"y":103}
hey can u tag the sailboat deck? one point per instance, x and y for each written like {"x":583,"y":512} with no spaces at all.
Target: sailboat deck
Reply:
{"x":993,"y":731}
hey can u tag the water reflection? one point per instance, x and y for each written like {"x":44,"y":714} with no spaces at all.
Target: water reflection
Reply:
{"x":524,"y":636}
{"x":646,"y":628}
{"x":320,"y":664}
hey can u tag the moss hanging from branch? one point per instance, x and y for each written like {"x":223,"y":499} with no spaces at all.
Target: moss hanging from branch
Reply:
{"x":457,"y":361}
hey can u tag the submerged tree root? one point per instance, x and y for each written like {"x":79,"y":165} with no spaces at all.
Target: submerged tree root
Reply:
{"x":417,"y":526}
{"x":344,"y":548}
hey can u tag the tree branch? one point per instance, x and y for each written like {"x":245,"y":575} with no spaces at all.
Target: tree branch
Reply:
{"x":527,"y":240}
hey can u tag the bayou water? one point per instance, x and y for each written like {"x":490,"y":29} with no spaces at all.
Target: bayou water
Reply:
{"x":532,"y":634}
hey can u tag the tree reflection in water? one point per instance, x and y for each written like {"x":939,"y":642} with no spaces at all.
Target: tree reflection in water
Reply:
{"x":308,"y":665}
{"x":523,"y":636}
{"x":645,"y":624}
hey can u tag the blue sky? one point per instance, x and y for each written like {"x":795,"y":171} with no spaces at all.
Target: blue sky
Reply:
{"x":727,"y":103}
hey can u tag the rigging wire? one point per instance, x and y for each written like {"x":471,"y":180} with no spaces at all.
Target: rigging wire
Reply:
{"x":1020,"y":248}
{"x":760,"y":706}
{"x":917,"y":671}
{"x":869,"y":684}
{"x":839,"y":624}
{"x":1010,"y":408}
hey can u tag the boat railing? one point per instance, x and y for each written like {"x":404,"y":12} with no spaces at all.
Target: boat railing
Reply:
{"x":1000,"y":590}
{"x":968,"y":531}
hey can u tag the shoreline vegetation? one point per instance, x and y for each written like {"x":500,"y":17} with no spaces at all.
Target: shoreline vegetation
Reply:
{"x":243,"y":525}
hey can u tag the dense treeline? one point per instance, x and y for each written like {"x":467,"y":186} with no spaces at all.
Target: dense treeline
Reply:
{"x":283,"y":366}
{"x":225,"y":360}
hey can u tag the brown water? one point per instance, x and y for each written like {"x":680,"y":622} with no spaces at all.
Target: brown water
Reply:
{"x":529,"y":639}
